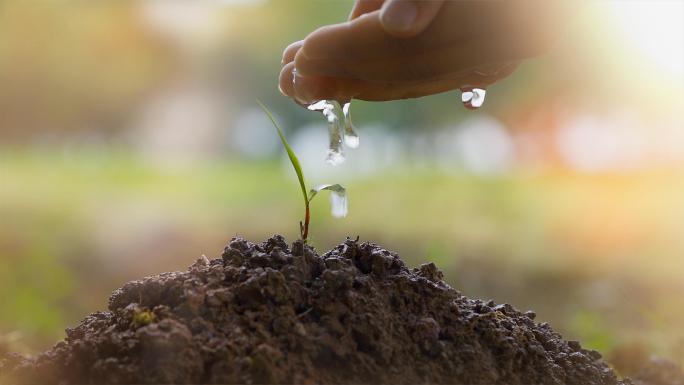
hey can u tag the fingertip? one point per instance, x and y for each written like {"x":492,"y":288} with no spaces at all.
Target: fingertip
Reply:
{"x":306,"y":89}
{"x":290,"y":51}
{"x":285,"y":80}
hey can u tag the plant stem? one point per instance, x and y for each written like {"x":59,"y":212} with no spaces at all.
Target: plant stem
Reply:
{"x":307,"y":219}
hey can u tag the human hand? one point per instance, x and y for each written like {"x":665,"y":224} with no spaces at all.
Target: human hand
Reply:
{"x":397,"y":49}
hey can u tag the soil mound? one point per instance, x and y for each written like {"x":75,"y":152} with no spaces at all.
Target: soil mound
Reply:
{"x":269,"y":313}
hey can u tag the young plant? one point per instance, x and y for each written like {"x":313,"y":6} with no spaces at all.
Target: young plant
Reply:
{"x":338,"y":194}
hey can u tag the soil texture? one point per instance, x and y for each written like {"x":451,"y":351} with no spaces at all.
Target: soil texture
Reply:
{"x":271,"y":313}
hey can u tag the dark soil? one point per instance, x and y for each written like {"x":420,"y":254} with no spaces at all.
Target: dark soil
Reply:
{"x":270,"y":314}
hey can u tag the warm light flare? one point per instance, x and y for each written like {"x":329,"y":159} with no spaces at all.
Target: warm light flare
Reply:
{"x":656,"y":28}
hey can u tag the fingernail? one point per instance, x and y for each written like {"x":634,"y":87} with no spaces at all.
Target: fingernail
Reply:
{"x":399,"y":15}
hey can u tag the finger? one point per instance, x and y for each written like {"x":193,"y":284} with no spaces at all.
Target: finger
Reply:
{"x":285,"y":80}
{"x":382,"y":92}
{"x":361,"y":37}
{"x":308,"y":90}
{"x":365,"y":37}
{"x":365,"y":6}
{"x":373,"y":91}
{"x":290,"y":51}
{"x":405,"y":18}
{"x":461,"y":58}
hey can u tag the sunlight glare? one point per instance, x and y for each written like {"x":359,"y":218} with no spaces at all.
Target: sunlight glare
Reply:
{"x":656,"y":27}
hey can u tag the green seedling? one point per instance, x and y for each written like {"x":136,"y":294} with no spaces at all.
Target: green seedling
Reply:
{"x":338,"y":194}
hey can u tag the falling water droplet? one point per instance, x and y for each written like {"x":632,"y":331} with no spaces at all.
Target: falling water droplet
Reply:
{"x":473,"y":98}
{"x":334,"y":157}
{"x":338,"y":204}
{"x":333,"y":112}
{"x":351,"y":138}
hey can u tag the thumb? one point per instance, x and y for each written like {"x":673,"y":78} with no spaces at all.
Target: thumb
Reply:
{"x":406,"y":18}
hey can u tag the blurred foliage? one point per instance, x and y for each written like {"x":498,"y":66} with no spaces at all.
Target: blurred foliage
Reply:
{"x":595,"y":334}
{"x":64,"y":69}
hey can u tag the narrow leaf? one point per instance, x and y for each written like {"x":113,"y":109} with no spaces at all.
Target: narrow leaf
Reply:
{"x":290,"y":153}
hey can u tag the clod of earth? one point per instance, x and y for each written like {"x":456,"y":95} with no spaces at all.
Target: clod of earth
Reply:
{"x":269,"y":313}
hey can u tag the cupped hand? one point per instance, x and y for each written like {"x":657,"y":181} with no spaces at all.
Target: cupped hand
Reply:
{"x":397,"y":49}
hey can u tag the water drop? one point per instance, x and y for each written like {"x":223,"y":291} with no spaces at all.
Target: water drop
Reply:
{"x":338,"y":204}
{"x":335,"y":157}
{"x":351,"y":138}
{"x":333,"y":113}
{"x":320,"y":106}
{"x":473,"y":98}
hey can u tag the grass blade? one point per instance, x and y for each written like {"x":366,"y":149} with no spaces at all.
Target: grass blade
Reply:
{"x":290,"y":153}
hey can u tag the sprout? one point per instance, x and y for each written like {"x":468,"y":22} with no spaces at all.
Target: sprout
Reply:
{"x":338,"y":194}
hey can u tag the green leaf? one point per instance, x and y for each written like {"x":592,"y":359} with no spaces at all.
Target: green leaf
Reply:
{"x":330,"y":187}
{"x":338,"y":198}
{"x":290,"y":153}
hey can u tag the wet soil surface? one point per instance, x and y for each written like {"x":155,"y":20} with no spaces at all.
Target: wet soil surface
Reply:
{"x":271,"y":313}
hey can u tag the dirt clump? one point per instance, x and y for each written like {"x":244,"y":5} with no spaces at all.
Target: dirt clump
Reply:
{"x":270,"y":313}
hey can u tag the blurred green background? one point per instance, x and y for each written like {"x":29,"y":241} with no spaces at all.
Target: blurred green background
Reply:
{"x":131,"y":143}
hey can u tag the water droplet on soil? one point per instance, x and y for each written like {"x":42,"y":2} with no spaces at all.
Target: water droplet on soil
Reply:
{"x":351,"y":138}
{"x":338,"y":204}
{"x":473,"y":98}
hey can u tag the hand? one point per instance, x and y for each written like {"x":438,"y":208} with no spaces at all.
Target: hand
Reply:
{"x":397,"y":49}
